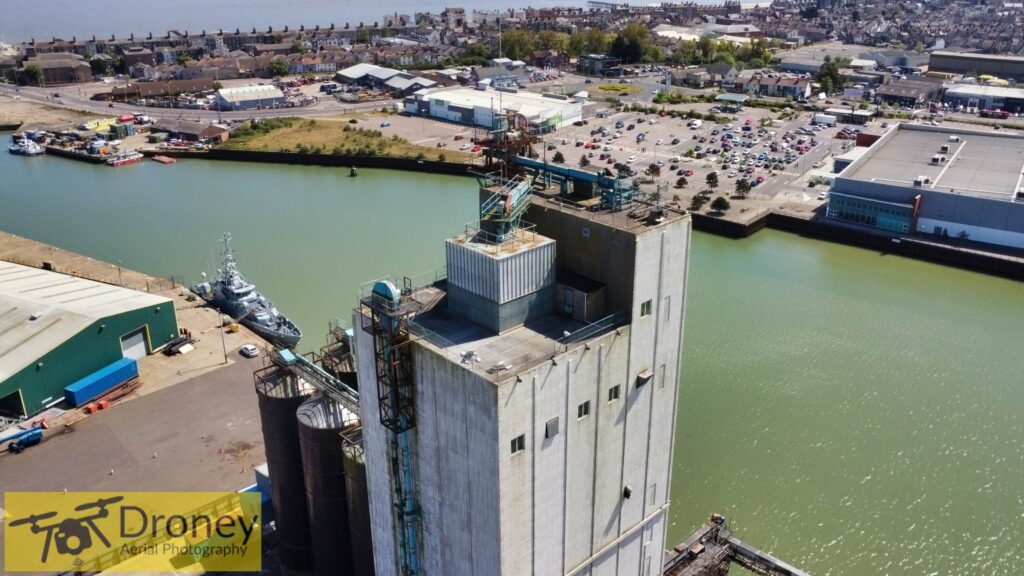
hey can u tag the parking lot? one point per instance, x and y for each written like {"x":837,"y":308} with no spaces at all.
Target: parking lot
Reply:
{"x":775,"y":158}
{"x":780,"y":159}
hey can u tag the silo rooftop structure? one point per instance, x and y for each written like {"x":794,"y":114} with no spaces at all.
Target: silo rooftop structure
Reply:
{"x":527,"y":397}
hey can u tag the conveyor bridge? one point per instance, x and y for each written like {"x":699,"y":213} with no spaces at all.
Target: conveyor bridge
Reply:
{"x":319,"y":378}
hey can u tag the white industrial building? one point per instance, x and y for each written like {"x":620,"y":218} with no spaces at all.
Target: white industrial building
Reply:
{"x":936,"y":181}
{"x":482,"y":107}
{"x":519,"y":416}
{"x":249,"y":98}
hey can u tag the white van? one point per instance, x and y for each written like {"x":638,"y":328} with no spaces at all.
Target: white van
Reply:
{"x":695,"y":124}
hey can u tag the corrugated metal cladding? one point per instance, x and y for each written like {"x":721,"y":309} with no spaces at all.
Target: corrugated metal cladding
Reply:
{"x":86,"y":352}
{"x":504,"y":277}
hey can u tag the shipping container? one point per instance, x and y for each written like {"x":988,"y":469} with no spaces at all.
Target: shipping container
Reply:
{"x":100,"y":381}
{"x":824,"y":119}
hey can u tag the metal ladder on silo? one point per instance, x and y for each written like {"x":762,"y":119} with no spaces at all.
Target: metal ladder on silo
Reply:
{"x":390,"y":329}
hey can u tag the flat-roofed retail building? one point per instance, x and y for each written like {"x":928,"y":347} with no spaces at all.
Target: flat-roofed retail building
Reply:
{"x":937,"y":181}
{"x":56,"y":329}
{"x":542,"y":112}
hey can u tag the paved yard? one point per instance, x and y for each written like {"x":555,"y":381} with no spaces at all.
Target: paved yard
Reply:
{"x":205,"y":434}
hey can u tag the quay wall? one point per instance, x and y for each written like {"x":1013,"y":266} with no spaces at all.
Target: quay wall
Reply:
{"x":429,"y":166}
{"x":72,"y":154}
{"x":994,"y":264}
{"x":978,"y":261}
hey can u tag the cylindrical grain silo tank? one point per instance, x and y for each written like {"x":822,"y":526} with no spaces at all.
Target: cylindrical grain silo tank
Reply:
{"x":280,"y":394}
{"x":321,"y":421}
{"x":358,"y":505}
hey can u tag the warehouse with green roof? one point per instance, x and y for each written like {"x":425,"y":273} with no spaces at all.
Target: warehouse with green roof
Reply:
{"x":56,"y":329}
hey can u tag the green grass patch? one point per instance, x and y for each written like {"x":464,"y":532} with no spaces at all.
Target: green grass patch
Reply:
{"x":336,"y":137}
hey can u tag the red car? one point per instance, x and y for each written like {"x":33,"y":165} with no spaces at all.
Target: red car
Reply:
{"x":611,"y":160}
{"x":459,"y":137}
{"x":688,"y":172}
{"x":475,"y":149}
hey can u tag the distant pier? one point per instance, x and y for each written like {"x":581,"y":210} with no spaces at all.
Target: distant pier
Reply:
{"x":711,"y":549}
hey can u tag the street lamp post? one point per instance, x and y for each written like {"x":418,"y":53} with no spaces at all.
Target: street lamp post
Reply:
{"x":119,"y":281}
{"x":223,"y":342}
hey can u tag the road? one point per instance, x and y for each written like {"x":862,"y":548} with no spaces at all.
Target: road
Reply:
{"x":76,"y":98}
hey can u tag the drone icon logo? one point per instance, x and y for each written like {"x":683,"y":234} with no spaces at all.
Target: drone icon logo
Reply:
{"x":72,"y":536}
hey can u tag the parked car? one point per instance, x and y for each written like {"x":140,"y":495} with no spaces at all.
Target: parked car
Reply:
{"x":249,"y":351}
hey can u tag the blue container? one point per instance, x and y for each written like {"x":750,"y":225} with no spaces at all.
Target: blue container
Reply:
{"x":100,"y":381}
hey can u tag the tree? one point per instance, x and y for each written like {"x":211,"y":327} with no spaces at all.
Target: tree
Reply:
{"x":551,"y":40}
{"x":300,"y":47}
{"x":516,"y":44}
{"x":584,"y":161}
{"x":100,"y":66}
{"x":725,"y":58}
{"x":592,"y":41}
{"x":217,"y":86}
{"x":278,"y":67}
{"x":475,"y":54}
{"x":681,"y":182}
{"x":685,"y":54}
{"x":34,"y":74}
{"x":919,"y":47}
{"x":720,"y":204}
{"x":653,"y":54}
{"x":712,"y":180}
{"x":697,"y":202}
{"x":182,"y":59}
{"x":441,"y":157}
{"x":743,"y":187}
{"x":828,"y":75}
{"x":654,"y":170}
{"x":631,"y":43}
{"x":558,"y":158}
{"x":708,"y":48}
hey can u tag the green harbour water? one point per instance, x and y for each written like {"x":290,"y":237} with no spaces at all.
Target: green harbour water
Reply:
{"x":852,"y":412}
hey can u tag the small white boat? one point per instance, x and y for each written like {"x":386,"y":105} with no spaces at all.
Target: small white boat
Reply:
{"x":25,"y":147}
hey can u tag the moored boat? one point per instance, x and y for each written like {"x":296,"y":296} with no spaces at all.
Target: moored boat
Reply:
{"x":25,"y":147}
{"x":233,"y":295}
{"x":124,"y":158}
